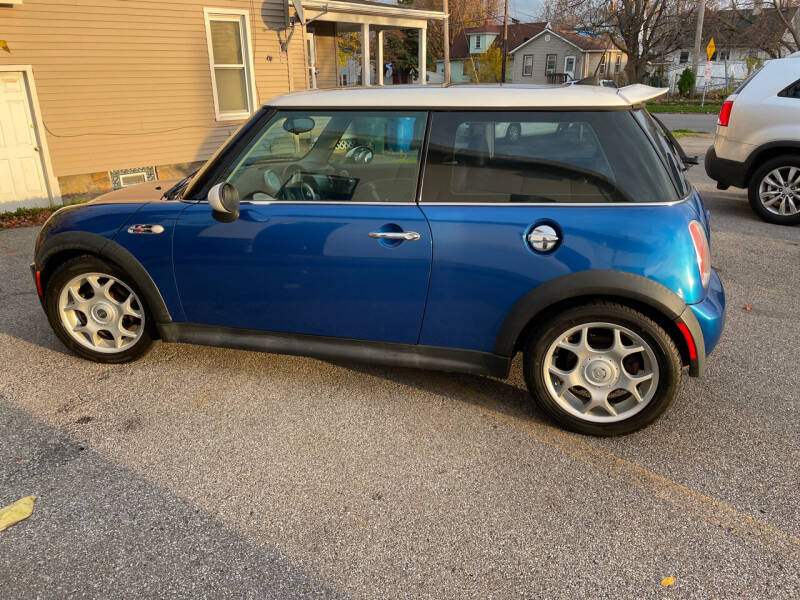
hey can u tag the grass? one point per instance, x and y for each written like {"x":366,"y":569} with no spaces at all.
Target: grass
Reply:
{"x":28,"y":217}
{"x":679,"y":133}
{"x":710,"y":108}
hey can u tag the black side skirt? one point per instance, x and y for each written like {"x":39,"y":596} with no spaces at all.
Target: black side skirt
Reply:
{"x":330,"y":348}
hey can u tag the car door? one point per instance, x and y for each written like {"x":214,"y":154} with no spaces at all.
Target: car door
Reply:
{"x":489,"y":199}
{"x":329,"y":240}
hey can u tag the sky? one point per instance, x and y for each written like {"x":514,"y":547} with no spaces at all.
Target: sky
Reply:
{"x":525,"y":10}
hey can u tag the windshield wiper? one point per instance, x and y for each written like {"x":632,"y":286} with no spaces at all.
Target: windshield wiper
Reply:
{"x":176,"y":190}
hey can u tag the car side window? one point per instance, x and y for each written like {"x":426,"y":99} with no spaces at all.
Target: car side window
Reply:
{"x":334,"y":156}
{"x":791,"y":91}
{"x":664,"y":147}
{"x":535,"y":157}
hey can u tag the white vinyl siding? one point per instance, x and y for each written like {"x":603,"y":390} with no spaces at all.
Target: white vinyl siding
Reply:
{"x":230,"y":58}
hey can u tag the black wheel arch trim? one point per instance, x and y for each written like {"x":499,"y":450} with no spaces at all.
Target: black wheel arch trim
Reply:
{"x":91,"y":243}
{"x":737,"y":174}
{"x":600,"y":283}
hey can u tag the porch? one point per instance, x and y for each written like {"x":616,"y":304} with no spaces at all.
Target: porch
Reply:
{"x":367,"y":22}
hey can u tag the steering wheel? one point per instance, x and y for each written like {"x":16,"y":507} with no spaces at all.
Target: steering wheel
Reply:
{"x":298,"y":187}
{"x":360,"y":155}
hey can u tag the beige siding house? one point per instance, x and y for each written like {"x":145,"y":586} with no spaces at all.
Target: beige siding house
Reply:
{"x":100,"y":94}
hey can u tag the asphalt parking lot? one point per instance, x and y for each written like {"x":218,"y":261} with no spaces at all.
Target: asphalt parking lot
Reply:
{"x":203,"y":472}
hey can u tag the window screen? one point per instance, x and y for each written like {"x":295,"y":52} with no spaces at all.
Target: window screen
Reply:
{"x":527,"y":65}
{"x":550,"y":64}
{"x":232,"y":79}
{"x":536,"y":157}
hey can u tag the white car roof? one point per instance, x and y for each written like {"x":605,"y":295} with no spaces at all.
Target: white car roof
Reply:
{"x":485,"y":96}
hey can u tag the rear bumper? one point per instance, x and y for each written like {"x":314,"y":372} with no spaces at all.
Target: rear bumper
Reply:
{"x":724,"y":171}
{"x":705,"y":321}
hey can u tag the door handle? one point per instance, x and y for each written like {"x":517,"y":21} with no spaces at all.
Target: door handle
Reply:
{"x":403,"y":236}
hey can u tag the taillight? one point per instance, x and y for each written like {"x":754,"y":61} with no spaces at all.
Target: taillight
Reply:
{"x":725,"y":113}
{"x":702,"y":251}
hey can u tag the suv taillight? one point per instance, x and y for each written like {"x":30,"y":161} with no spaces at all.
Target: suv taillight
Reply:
{"x":702,"y":251}
{"x":725,"y":113}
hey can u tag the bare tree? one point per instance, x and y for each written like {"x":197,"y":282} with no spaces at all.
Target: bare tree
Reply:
{"x":463,"y":14}
{"x":770,"y":25}
{"x":645,"y":30}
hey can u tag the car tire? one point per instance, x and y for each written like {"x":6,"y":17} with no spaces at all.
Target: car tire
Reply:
{"x":513,"y":133}
{"x":97,"y":311}
{"x":773,"y":202}
{"x":593,"y":380}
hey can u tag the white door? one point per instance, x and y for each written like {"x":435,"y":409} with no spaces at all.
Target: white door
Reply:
{"x":311,"y":53}
{"x":22,"y":180}
{"x":569,"y":66}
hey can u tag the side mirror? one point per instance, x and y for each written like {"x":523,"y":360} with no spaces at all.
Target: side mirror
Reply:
{"x":224,"y":201}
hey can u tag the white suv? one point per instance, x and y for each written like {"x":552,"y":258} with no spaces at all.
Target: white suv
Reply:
{"x":757,"y":145}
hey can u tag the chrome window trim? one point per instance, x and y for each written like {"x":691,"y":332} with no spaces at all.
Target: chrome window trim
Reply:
{"x":557,"y":204}
{"x":338,"y":202}
{"x":423,"y":204}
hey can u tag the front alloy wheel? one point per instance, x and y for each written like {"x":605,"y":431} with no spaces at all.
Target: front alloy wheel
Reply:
{"x":97,"y":311}
{"x":101,"y":312}
{"x":602,"y":368}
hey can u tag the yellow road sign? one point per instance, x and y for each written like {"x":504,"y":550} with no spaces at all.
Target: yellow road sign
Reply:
{"x":711,"y":48}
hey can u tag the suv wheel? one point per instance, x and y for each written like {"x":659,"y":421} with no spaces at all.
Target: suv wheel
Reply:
{"x":602,"y":369}
{"x":96,"y":311}
{"x":774,"y":190}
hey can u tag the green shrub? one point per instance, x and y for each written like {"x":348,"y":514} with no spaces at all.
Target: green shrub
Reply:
{"x":686,"y":82}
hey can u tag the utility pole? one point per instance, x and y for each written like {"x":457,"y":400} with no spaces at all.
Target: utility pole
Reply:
{"x":698,"y":43}
{"x":505,"y":46}
{"x":446,"y":42}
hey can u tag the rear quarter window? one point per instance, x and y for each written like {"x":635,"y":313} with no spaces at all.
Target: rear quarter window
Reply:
{"x":543,"y":157}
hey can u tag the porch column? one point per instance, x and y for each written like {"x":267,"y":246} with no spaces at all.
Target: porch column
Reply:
{"x":365,"y":54}
{"x":423,"y":55}
{"x":379,"y":57}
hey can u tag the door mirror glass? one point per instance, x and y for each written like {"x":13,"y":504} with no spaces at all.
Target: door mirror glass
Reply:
{"x":224,"y":201}
{"x":298,"y":125}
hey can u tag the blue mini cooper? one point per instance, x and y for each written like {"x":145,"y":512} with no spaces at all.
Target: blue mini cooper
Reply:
{"x":442,"y":228}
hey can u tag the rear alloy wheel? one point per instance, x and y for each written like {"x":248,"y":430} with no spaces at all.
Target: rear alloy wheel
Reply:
{"x":775,"y":191}
{"x":96,"y":312}
{"x":603,"y":369}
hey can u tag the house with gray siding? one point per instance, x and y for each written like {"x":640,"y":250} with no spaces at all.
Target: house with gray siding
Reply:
{"x":474,"y":41}
{"x":556,"y":55}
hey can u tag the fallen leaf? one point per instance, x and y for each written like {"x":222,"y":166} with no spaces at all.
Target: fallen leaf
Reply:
{"x":16,"y":512}
{"x":4,"y":46}
{"x":747,"y":307}
{"x":667,"y":581}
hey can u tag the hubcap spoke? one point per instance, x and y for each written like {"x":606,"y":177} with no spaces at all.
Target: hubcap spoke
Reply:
{"x":599,"y":400}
